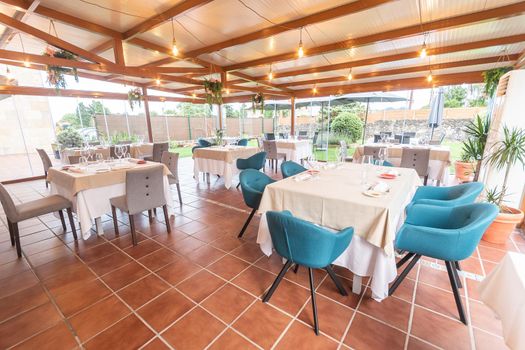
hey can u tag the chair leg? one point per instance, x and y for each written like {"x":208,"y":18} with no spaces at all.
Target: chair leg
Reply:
{"x":403,"y":274}
{"x":336,"y":280}
{"x":404,"y":260}
{"x":72,"y":223}
{"x":296,"y":268}
{"x":246,"y":223}
{"x":275,"y":284}
{"x":150,"y":216}
{"x":166,"y":217}
{"x":62,"y":220}
{"x":16,"y":234}
{"x":178,"y":191}
{"x":11,"y":232}
{"x":114,"y":214}
{"x":456,"y":263}
{"x":456,"y":274}
{"x":238,"y":185}
{"x":425,"y":180}
{"x":132,"y":227}
{"x":314,"y":303}
{"x":451,"y":269}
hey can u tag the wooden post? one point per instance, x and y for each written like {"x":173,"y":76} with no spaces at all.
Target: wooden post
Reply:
{"x":146,"y":109}
{"x":220,"y":116}
{"x":292,"y":128}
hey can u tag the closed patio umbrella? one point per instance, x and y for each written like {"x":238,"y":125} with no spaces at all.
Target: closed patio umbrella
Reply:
{"x":435,"y":118}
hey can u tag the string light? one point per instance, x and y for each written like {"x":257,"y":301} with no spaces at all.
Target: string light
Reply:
{"x":270,"y":74}
{"x":27,"y":64}
{"x":157,"y":81}
{"x":174,"y":48}
{"x":300,"y":50}
{"x":314,"y":90}
{"x":429,"y":77}
{"x":193,"y":95}
{"x":227,"y":91}
{"x":350,"y":76}
{"x":423,"y":52}
{"x":8,"y":73}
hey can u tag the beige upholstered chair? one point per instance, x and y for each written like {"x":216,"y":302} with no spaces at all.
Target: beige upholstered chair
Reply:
{"x":73,"y":159}
{"x":46,"y":162}
{"x":16,"y":213}
{"x":171,"y":161}
{"x":158,"y":149}
{"x":416,"y":159}
{"x":144,"y":191}
{"x":270,"y":147}
{"x":343,"y":152}
{"x":372,"y":151}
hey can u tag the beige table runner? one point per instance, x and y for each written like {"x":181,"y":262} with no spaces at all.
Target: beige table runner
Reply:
{"x":82,"y":181}
{"x":436,"y":153}
{"x":291,"y":144}
{"x":335,"y":200}
{"x":226,"y":154}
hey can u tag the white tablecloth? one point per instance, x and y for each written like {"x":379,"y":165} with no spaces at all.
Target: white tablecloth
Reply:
{"x":504,"y":292}
{"x":295,"y":150}
{"x":218,"y":167}
{"x":91,"y":204}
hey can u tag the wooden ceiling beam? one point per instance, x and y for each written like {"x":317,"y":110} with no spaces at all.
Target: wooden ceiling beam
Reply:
{"x":343,"y":10}
{"x":446,"y":23}
{"x":520,"y":61}
{"x":258,"y":89}
{"x":249,"y":78}
{"x":21,"y":16}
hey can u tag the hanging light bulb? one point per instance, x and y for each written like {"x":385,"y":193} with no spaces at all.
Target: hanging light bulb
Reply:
{"x":8,"y":74}
{"x":300,"y":50}
{"x":157,"y":81}
{"x":27,"y":64}
{"x":314,"y":90}
{"x":429,"y":77}
{"x":423,"y":52}
{"x":350,"y":76}
{"x":270,"y":73}
{"x":227,"y":91}
{"x":193,"y":95}
{"x":174,"y":48}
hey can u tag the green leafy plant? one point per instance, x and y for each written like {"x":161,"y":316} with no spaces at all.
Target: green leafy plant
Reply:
{"x":219,"y":134}
{"x":56,"y":74}
{"x":473,"y":148}
{"x":348,"y":124}
{"x":135,"y":97}
{"x":122,"y":136}
{"x":494,"y":196}
{"x":69,"y":138}
{"x":213,"y":91}
{"x":491,"y":79}
{"x":507,"y":152}
{"x":258,"y":101}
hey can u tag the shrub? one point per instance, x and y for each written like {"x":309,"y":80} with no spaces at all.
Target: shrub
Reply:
{"x":69,"y":138}
{"x":349,"y":125}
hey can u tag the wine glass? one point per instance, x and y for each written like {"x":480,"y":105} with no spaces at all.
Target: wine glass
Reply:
{"x":82,"y":162}
{"x":382,"y":155}
{"x":367,"y":160}
{"x":99,"y":157}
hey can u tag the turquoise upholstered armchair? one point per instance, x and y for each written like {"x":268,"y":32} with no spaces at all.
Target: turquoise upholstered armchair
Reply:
{"x":242,"y":142}
{"x":447,"y":196}
{"x":450,"y":234}
{"x":303,"y":243}
{"x":204,"y":143}
{"x":253,"y":183}
{"x":290,"y":168}
{"x":255,"y":162}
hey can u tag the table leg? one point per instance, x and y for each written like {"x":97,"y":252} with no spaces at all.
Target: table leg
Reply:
{"x":98,"y":224}
{"x":356,"y":284}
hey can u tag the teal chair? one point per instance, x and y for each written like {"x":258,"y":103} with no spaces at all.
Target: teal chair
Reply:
{"x":290,"y":168}
{"x":302,"y":243}
{"x":256,"y":162}
{"x":253,"y":183}
{"x":450,"y":234}
{"x":447,"y":196}
{"x":242,"y":142}
{"x":385,"y":163}
{"x":204,"y":143}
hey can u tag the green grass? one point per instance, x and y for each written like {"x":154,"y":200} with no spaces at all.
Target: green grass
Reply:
{"x":182,"y":151}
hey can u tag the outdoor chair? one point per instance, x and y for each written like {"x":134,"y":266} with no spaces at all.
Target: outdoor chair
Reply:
{"x":416,"y":159}
{"x":158,"y":150}
{"x":377,"y":138}
{"x":343,"y":152}
{"x":437,"y":140}
{"x":447,"y":196}
{"x":204,"y":143}
{"x":372,"y":151}
{"x":242,"y":142}
{"x":450,"y":234}
{"x":144,"y":191}
{"x":46,"y":162}
{"x":171,"y":161}
{"x":303,"y":135}
{"x":253,"y":183}
{"x":270,"y":147}
{"x":270,"y":136}
{"x":32,"y":209}
{"x":73,"y":159}
{"x":255,"y":162}
{"x":303,"y":243}
{"x":290,"y":168}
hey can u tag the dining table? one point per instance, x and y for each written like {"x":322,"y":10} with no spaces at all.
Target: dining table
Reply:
{"x":90,"y":188}
{"x":135,"y":150}
{"x":439,"y":162}
{"x":220,"y":160}
{"x":295,"y":150}
{"x":334,"y":198}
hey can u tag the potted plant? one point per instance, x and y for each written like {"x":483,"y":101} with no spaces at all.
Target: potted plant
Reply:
{"x":56,"y":74}
{"x":465,"y":167}
{"x":491,"y":79}
{"x":258,"y":101}
{"x":69,"y":138}
{"x":135,"y":97}
{"x":219,"y":134}
{"x":477,"y":131}
{"x":504,"y":155}
{"x":213,"y":91}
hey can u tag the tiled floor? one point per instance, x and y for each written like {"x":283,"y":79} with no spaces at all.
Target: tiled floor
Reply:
{"x":200,"y":287}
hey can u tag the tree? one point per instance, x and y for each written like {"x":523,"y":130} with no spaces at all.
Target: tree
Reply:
{"x":86,"y":113}
{"x":455,"y":96}
{"x":231,"y":112}
{"x":187,"y":109}
{"x":349,"y":125}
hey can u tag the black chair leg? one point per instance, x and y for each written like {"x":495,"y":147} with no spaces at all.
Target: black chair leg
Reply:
{"x":72,"y":223}
{"x":451,"y":269}
{"x":336,"y":280}
{"x":166,"y":218}
{"x":150,"y":216}
{"x":275,"y":284}
{"x":456,"y":263}
{"x":62,"y":220}
{"x":114,"y":214}
{"x":178,"y":192}
{"x":16,"y":234}
{"x":246,"y":223}
{"x":296,"y":268}
{"x":132,"y":227}
{"x":425,"y":180}
{"x":314,"y":304}
{"x":11,"y":232}
{"x":404,"y":260}
{"x":403,"y":274}
{"x":238,"y":185}
{"x":456,"y":274}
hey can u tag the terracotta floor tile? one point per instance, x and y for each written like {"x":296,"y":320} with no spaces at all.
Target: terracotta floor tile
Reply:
{"x":159,"y":259}
{"x":67,"y":281}
{"x":155,"y":344}
{"x":228,"y":303}
{"x":329,"y":290}
{"x":97,"y":317}
{"x":27,"y":324}
{"x":416,"y":344}
{"x":491,"y":254}
{"x":391,"y":310}
{"x":262,"y":324}
{"x":192,"y":227}
{"x":130,"y":333}
{"x":142,"y":248}
{"x":289,"y":297}
{"x":142,"y":291}
{"x":54,"y":338}
{"x":483,"y":317}
{"x":227,"y":243}
{"x":109,"y":263}
{"x":165,"y":309}
{"x":17,"y":282}
{"x":13,"y":268}
{"x":439,"y":330}
{"x":49,"y":255}
{"x":200,"y":285}
{"x":332,"y":317}
{"x":189,"y":333}
{"x":254,"y":280}
{"x":97,"y":252}
{"x":209,"y":234}
{"x":486,"y":341}
{"x":178,"y":271}
{"x":436,"y":278}
{"x":299,"y":336}
{"x":125,"y":275}
{"x":41,"y":246}
{"x":186,"y":245}
{"x":231,"y":340}
{"x":249,"y":252}
{"x":83,"y":296}
{"x":438,"y":300}
{"x":58,"y":266}
{"x":228,"y":267}
{"x":21,"y":301}
{"x":205,"y":255}
{"x":367,"y":333}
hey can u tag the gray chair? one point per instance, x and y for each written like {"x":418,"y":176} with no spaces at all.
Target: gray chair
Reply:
{"x":73,"y":159}
{"x":16,"y":213}
{"x":46,"y":162}
{"x":416,"y":159}
{"x":343,"y":152}
{"x":270,"y":147}
{"x":372,"y":151}
{"x":437,"y":139}
{"x":269,"y":136}
{"x":112,"y":152}
{"x":144,"y":191}
{"x":171,"y":161}
{"x":303,"y":135}
{"x":158,"y":149}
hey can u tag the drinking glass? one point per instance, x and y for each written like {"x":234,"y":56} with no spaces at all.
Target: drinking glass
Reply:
{"x":382,"y":155}
{"x":99,"y":157}
{"x":367,"y":160}
{"x":82,"y":162}
{"x":127,"y":157}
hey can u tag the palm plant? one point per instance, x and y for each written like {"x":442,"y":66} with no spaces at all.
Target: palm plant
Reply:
{"x":477,"y":131}
{"x":507,"y":152}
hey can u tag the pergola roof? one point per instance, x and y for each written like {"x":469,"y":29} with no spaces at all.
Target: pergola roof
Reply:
{"x":240,"y":41}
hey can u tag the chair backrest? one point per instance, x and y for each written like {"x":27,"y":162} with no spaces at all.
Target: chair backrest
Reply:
{"x":377,"y":138}
{"x":316,"y":135}
{"x":254,"y":162}
{"x":8,"y":204}
{"x":145,"y":189}
{"x":290,"y":168}
{"x":416,"y":159}
{"x":283,"y":135}
{"x":253,"y":183}
{"x":269,"y":136}
{"x":343,"y":150}
{"x":112,"y":152}
{"x":73,"y":159}
{"x":242,"y":142}
{"x":270,"y":147}
{"x":171,"y":161}
{"x":46,"y":161}
{"x":204,"y":143}
{"x":465,"y":193}
{"x":158,"y":149}
{"x":372,"y":151}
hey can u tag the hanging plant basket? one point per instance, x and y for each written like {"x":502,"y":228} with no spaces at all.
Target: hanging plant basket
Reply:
{"x":258,"y":102}
{"x":56,"y":74}
{"x":135,"y":97}
{"x":491,"y":79}
{"x":213,"y":90}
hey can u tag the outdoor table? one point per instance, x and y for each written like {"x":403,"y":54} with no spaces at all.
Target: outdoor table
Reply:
{"x":503,"y":290}
{"x":220,"y":160}
{"x":90,"y":191}
{"x":334,"y":199}
{"x":135,"y":150}
{"x":295,"y":150}
{"x":437,"y":166}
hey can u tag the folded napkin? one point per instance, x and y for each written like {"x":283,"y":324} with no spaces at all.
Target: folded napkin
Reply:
{"x":302,"y":177}
{"x":381,"y":187}
{"x":392,"y":172}
{"x":137,"y":161}
{"x":76,"y":170}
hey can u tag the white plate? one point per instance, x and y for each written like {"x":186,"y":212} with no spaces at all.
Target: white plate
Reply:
{"x":372,"y":193}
